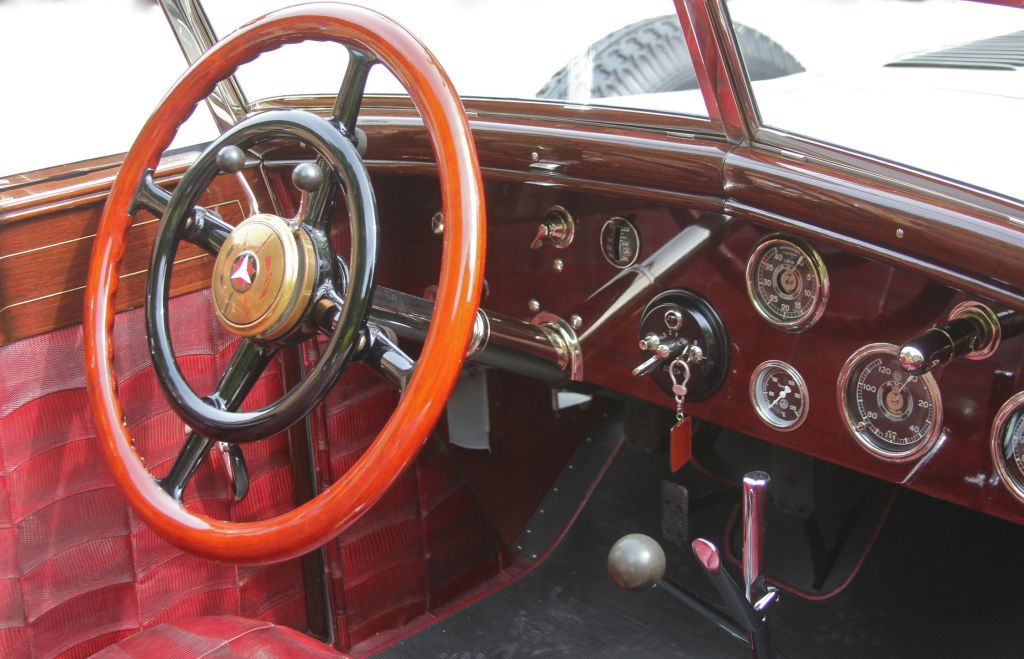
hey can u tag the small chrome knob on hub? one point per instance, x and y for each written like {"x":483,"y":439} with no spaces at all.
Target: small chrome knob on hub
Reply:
{"x":307,"y":176}
{"x":230,"y":159}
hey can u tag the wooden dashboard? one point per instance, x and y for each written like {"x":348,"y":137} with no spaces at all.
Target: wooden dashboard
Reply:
{"x":899,"y":257}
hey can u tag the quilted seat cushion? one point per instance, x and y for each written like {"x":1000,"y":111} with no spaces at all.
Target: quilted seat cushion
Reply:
{"x":219,"y":636}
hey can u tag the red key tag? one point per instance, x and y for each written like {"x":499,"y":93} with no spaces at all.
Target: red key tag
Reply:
{"x":681,"y":444}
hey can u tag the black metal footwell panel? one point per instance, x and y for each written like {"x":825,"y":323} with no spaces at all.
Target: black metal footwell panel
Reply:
{"x":940,"y":582}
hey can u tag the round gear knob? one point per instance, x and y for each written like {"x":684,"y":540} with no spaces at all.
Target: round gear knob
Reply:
{"x":636,"y":562}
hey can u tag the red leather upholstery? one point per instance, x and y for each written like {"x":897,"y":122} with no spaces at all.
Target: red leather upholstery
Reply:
{"x":78,"y":569}
{"x":219,"y":636}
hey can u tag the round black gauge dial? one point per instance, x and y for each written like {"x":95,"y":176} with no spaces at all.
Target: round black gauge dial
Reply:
{"x":779,"y":395}
{"x":787,"y":283}
{"x":893,"y":415}
{"x":1008,"y":444}
{"x":620,"y":242}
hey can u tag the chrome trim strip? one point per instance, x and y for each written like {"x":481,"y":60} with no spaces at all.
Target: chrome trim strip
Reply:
{"x":195,"y":35}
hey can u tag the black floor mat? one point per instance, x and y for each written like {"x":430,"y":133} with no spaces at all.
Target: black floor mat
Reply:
{"x":940,"y":582}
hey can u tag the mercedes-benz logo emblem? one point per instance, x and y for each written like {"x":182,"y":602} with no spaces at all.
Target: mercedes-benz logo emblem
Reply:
{"x":243,"y":271}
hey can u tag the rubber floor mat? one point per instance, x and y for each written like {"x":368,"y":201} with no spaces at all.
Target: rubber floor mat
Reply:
{"x":941,"y":582}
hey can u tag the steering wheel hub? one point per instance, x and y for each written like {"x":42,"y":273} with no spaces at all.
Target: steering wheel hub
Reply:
{"x":263,"y":277}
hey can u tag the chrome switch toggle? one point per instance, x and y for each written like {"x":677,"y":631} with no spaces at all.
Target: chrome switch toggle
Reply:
{"x":557,"y":229}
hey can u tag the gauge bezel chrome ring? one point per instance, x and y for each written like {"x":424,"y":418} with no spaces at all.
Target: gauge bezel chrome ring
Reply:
{"x":636,"y":232}
{"x":895,"y":457}
{"x":985,"y":315}
{"x":820,"y":300}
{"x":1010,"y":482}
{"x":801,"y":383}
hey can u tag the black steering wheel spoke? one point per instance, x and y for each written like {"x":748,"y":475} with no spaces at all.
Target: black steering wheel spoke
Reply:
{"x":269,"y":271}
{"x":377,"y":347}
{"x":207,"y":230}
{"x":204,"y":228}
{"x":350,"y":95}
{"x":251,"y":358}
{"x":243,"y":371}
{"x":315,"y":180}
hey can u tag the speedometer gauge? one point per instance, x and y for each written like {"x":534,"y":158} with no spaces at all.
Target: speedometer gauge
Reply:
{"x":1008,"y":444}
{"x":894,"y":416}
{"x":788,"y":283}
{"x":779,"y":395}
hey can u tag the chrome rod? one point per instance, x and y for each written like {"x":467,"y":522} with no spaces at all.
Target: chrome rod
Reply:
{"x":540,"y":350}
{"x":755,"y":494}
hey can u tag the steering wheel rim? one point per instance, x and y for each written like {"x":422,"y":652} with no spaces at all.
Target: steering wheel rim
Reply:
{"x":317,"y":521}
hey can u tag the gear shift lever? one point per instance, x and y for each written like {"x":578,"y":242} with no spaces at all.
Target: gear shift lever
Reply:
{"x":637,"y":562}
{"x":755,"y":492}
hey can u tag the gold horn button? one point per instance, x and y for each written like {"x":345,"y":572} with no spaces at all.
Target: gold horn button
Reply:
{"x":263,"y":277}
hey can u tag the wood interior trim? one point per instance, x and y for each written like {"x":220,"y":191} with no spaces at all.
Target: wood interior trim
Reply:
{"x":57,"y":188}
{"x":43,"y":263}
{"x":704,"y":203}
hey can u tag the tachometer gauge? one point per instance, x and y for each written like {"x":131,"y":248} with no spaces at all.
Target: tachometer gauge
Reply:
{"x":894,"y":416}
{"x":1008,"y":444}
{"x":787,"y":283}
{"x":779,"y":395}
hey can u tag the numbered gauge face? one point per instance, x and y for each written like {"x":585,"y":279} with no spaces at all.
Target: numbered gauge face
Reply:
{"x":779,"y":395}
{"x":1008,"y":444}
{"x":787,"y":283}
{"x":895,"y":416}
{"x":620,"y":242}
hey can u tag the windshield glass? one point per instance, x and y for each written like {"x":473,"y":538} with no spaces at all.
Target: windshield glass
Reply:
{"x":934,"y":84}
{"x":569,"y":50}
{"x":81,"y":77}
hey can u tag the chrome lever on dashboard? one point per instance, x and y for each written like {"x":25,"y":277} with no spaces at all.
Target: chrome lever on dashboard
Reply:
{"x":664,"y":352}
{"x":974,"y":330}
{"x":557,"y":229}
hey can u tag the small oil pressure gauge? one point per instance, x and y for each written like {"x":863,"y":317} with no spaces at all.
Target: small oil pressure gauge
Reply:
{"x":620,"y":242}
{"x":779,"y":395}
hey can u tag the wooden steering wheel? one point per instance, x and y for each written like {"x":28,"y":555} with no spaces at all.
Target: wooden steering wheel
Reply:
{"x":313,"y":273}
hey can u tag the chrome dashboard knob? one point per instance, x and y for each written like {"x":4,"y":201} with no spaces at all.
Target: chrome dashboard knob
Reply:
{"x":557,"y":229}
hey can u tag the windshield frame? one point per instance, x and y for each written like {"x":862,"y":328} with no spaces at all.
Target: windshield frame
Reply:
{"x":229,"y":103}
{"x":743,"y":123}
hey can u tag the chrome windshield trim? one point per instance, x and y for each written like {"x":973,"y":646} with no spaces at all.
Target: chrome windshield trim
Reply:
{"x":195,"y":35}
{"x":632,"y":119}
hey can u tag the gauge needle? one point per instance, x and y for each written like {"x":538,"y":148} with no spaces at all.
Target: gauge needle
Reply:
{"x":905,"y":383}
{"x":782,"y":394}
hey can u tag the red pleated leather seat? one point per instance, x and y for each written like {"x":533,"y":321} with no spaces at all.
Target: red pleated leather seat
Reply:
{"x":219,"y":636}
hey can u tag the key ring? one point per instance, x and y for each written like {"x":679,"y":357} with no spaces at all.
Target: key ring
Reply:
{"x":676,"y":384}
